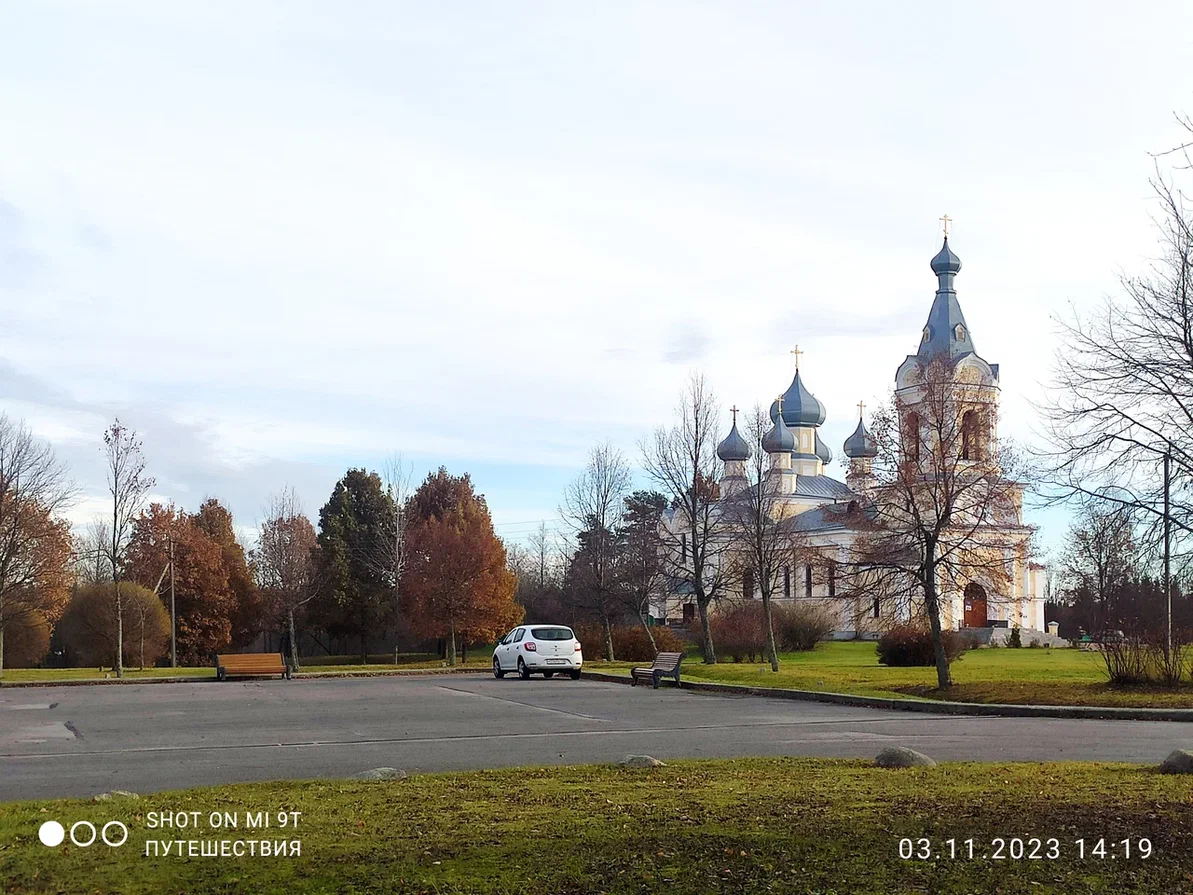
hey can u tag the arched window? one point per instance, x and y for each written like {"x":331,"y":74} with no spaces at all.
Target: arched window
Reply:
{"x":911,"y":436}
{"x":876,"y":609}
{"x":747,"y":584}
{"x":683,"y":548}
{"x":808,"y":580}
{"x":970,"y":442}
{"x":832,"y":579}
{"x":787,"y":582}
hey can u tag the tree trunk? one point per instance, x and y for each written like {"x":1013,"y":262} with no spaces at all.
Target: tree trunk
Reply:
{"x":293,"y":643}
{"x":1,"y":645}
{"x":119,"y":629}
{"x":654,"y":647}
{"x":142,"y":641}
{"x":932,"y":606}
{"x":364,"y":644}
{"x":710,"y":653}
{"x":608,"y":638}
{"x":451,"y":646}
{"x":772,"y":653}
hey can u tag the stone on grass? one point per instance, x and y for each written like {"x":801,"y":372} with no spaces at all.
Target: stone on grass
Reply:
{"x":641,"y":761}
{"x":902,"y":757}
{"x":382,"y":774}
{"x":115,"y":794}
{"x":1179,"y":761}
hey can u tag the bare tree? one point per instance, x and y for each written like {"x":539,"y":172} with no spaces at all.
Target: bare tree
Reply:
{"x":946,"y":499}
{"x":390,"y":552}
{"x":129,"y":486}
{"x":1122,"y":392}
{"x":682,"y":461}
{"x":592,"y":507}
{"x":1101,"y":557}
{"x":34,"y":489}
{"x":285,"y":563}
{"x":762,"y":540}
{"x":640,"y":555}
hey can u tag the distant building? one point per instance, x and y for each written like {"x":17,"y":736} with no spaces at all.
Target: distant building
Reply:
{"x":821,"y":508}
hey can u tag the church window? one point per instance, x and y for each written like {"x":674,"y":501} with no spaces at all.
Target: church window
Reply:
{"x":832,"y":579}
{"x":876,"y":609}
{"x":747,"y":584}
{"x":683,"y":548}
{"x":808,"y":580}
{"x":959,"y":333}
{"x":787,"y":582}
{"x":911,"y":437}
{"x":970,"y":448}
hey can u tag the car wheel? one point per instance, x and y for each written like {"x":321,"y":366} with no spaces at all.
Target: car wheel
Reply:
{"x":574,"y":675}
{"x":523,"y":671}
{"x":548,"y":674}
{"x":497,"y":672}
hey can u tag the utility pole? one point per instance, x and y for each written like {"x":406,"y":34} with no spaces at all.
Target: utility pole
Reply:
{"x":1167,"y":553}
{"x":173,"y":636}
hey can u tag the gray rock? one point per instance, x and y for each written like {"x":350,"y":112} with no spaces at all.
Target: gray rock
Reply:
{"x":383,"y":774}
{"x":1179,"y":761}
{"x":902,"y":757}
{"x":641,"y":761}
{"x":115,"y":794}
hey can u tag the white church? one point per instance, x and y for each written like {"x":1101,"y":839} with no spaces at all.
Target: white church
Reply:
{"x":820,"y":507}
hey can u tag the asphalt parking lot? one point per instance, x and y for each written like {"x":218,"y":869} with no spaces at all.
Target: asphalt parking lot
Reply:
{"x":78,"y":741}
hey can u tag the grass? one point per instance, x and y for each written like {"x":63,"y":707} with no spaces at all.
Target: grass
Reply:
{"x":1016,"y":676}
{"x":765,"y":825}
{"x":412,"y":662}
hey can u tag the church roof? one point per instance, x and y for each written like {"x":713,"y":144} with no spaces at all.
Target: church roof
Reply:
{"x":779,"y":439}
{"x":800,"y":406}
{"x":734,"y":447}
{"x":823,"y":452}
{"x":861,"y":443}
{"x":946,"y":333}
{"x":821,"y":486}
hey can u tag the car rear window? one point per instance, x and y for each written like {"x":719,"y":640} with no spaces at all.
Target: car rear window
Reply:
{"x":551,"y":633}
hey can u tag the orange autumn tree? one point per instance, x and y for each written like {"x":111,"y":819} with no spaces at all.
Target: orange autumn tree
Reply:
{"x":204,"y":600}
{"x":457,"y":585}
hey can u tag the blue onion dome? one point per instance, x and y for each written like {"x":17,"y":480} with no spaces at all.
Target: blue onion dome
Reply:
{"x":734,"y":447}
{"x":800,"y":406}
{"x":946,"y":261}
{"x":822,"y":451}
{"x":861,"y":443}
{"x":779,"y":440}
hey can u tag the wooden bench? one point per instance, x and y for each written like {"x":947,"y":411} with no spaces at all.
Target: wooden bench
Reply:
{"x":249,"y":665}
{"x":665,"y":665}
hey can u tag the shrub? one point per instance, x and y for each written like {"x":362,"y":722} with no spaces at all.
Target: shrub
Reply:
{"x":1145,"y":660}
{"x":1015,"y":641}
{"x":910,"y":644}
{"x":26,"y":640}
{"x":89,"y":626}
{"x":800,"y":627}
{"x":1035,"y":643}
{"x":739,"y":631}
{"x":630,"y":642}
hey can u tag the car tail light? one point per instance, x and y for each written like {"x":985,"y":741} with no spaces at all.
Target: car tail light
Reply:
{"x":577,"y":646}
{"x":530,"y":647}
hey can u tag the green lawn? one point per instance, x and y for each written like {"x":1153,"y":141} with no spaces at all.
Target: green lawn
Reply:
{"x":758,"y":825}
{"x":1017,"y":676}
{"x":414,"y":662}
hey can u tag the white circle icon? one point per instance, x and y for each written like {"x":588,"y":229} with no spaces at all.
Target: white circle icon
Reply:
{"x":51,"y":833}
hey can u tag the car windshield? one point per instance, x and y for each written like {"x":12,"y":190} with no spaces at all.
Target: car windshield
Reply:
{"x":551,"y":633}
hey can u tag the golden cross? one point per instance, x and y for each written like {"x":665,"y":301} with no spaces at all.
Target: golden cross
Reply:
{"x":780,"y":402}
{"x":861,"y":406}
{"x":945,"y":220}
{"x":795,"y":352}
{"x":733,"y":410}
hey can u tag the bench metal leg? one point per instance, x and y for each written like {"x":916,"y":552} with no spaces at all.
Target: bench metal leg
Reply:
{"x":657,"y":677}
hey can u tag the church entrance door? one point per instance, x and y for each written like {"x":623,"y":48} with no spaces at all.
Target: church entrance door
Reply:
{"x":975,"y":606}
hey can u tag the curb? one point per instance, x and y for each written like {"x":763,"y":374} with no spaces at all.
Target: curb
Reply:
{"x":929,"y":706}
{"x":199,"y":679}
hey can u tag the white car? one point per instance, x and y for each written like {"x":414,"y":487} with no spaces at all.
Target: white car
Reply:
{"x":538,"y":649}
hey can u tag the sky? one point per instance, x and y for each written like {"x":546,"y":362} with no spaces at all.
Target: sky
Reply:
{"x":282,"y":239}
